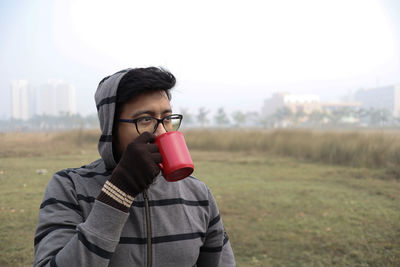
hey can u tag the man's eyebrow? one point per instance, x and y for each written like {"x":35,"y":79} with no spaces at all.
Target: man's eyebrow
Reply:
{"x":167,"y":111}
{"x":149,"y":112}
{"x":141,"y":112}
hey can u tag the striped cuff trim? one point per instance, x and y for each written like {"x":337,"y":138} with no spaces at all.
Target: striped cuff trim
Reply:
{"x":117,"y":194}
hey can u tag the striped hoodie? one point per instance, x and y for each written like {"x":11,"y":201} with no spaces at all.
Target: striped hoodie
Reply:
{"x":170,"y":224}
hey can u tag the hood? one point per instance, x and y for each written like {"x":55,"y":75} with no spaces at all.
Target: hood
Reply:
{"x":105,"y":97}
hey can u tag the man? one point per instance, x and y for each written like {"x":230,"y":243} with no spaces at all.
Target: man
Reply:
{"x":119,"y":210}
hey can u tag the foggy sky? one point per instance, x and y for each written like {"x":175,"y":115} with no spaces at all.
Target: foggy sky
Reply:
{"x":230,"y":53}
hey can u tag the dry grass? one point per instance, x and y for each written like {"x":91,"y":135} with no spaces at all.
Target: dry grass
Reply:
{"x":357,"y":149}
{"x":370,"y":149}
{"x":23,"y":144}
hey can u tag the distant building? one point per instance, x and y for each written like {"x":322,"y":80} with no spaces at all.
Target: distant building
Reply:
{"x":306,"y":103}
{"x":53,"y":98}
{"x":22,"y":100}
{"x":331,"y":106}
{"x":295,"y":102}
{"x":56,"y":98}
{"x":387,"y":97}
{"x":301,"y":108}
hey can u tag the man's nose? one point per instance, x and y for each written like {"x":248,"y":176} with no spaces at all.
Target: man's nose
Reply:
{"x":160,"y":129}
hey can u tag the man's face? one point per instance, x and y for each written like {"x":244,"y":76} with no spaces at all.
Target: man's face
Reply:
{"x":154,"y":104}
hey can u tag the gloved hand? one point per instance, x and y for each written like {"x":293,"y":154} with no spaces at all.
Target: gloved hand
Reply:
{"x":135,"y":171}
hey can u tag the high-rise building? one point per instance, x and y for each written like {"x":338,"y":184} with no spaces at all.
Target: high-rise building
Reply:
{"x":22,"y":100}
{"x":56,"y":98}
{"x":387,"y":97}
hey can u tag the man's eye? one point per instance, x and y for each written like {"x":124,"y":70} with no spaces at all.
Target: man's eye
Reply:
{"x":144,"y":120}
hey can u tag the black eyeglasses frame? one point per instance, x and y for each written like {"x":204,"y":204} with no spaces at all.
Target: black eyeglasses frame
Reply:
{"x":134,"y":121}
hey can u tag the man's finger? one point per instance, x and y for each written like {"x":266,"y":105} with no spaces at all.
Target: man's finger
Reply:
{"x":152,"y":148}
{"x":144,"y":138}
{"x":156,"y":157}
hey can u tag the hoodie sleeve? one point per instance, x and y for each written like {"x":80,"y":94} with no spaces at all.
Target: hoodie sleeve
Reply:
{"x":63,"y":238}
{"x":216,"y":250}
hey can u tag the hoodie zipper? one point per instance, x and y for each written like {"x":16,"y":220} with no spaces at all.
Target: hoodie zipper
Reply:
{"x":148,"y":226}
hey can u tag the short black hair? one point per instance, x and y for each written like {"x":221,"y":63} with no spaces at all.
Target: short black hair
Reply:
{"x":139,"y":80}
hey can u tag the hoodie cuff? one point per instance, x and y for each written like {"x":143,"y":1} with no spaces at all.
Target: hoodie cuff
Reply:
{"x":105,"y":221}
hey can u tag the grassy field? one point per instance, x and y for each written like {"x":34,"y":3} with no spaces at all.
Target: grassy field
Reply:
{"x":278,"y":210}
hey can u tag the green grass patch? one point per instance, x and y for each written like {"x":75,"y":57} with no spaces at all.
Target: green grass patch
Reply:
{"x":23,"y":182}
{"x":280,"y":212}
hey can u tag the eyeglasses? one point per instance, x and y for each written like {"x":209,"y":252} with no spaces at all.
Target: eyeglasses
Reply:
{"x":150,"y":124}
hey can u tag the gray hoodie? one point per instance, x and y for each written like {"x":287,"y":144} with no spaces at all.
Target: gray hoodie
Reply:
{"x":174,"y":224}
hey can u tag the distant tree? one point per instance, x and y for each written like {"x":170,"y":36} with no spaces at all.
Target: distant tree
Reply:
{"x":374,"y":117}
{"x":92,"y":121}
{"x":379,"y":116}
{"x":282,"y":116}
{"x":202,"y":116}
{"x":284,"y":113}
{"x":396,"y":121}
{"x":239,"y":118}
{"x":316,"y":117}
{"x":363,"y":115}
{"x":267,"y":121}
{"x":187,"y":116}
{"x":386,"y":116}
{"x":337,"y":115}
{"x":252,"y":118}
{"x":299,"y":115}
{"x":221,"y":118}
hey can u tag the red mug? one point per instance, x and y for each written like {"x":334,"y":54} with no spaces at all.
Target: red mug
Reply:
{"x":176,"y":161}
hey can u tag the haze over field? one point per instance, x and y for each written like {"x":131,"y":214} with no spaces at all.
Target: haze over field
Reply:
{"x":246,"y":50}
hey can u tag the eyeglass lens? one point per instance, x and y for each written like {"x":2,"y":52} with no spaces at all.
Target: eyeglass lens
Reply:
{"x":148,"y":124}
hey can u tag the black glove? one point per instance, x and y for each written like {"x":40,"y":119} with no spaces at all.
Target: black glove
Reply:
{"x":134,"y":173}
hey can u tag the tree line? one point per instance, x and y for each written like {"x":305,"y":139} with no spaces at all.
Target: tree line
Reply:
{"x":281,"y":118}
{"x":286,"y":118}
{"x":63,"y":121}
